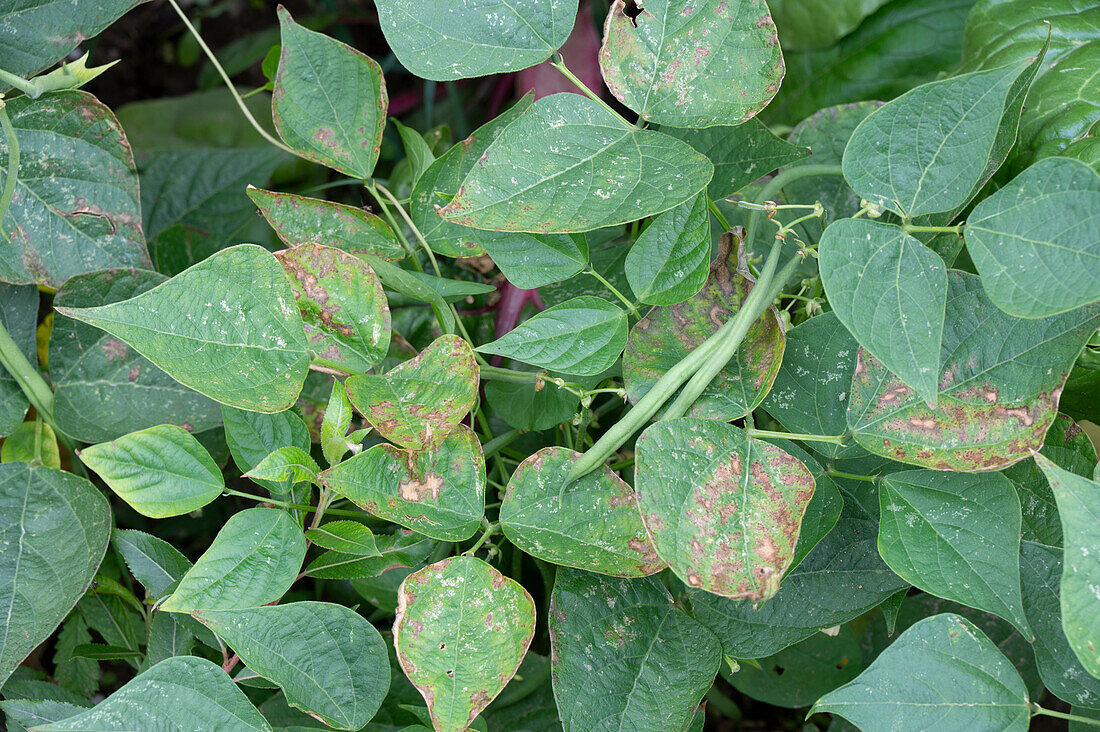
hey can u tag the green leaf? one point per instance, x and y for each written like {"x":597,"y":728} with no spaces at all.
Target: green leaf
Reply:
{"x":299,"y":220}
{"x":286,"y":464}
{"x":1079,"y":507}
{"x":104,"y":652}
{"x":581,"y":336}
{"x":18,"y":316}
{"x":955,"y":536}
{"x":724,"y":510}
{"x":670,"y":259}
{"x":1036,"y":242}
{"x":889,"y":291}
{"x":91,"y":222}
{"x":30,"y":712}
{"x":193,"y":203}
{"x":328,"y":659}
{"x":417,"y":152}
{"x":740,"y":154}
{"x":335,"y":424}
{"x":799,"y":675}
{"x":932,"y":148}
{"x":441,"y":41}
{"x":619,"y":652}
{"x":346,"y":317}
{"x":1061,"y":672}
{"x":155,"y":563}
{"x":420,"y":401}
{"x":252,"y":561}
{"x":103,"y":388}
{"x":999,"y":379}
{"x":225,"y":327}
{"x":402,"y":549}
{"x":438,"y":492}
{"x":329,"y":102}
{"x":161,"y":471}
{"x":167,"y":639}
{"x":963,"y":683}
{"x":567,"y":141}
{"x":531,"y":405}
{"x":461,"y":631}
{"x":37,"y":33}
{"x":349,"y":537}
{"x":824,"y":508}
{"x":666,"y":335}
{"x":56,"y":527}
{"x":534,"y":260}
{"x":181,"y":688}
{"x":31,"y":442}
{"x":590,"y":523}
{"x":688,"y":64}
{"x":252,"y":436}
{"x":809,"y":24}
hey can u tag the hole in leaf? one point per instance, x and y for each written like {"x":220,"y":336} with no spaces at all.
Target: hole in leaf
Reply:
{"x":779,"y":670}
{"x":632,"y":9}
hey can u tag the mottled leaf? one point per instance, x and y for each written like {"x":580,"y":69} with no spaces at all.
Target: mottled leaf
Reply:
{"x":621,"y":650}
{"x":420,"y":401}
{"x":18,"y":316}
{"x":1036,"y":242}
{"x":226,"y":327}
{"x":461,"y":631}
{"x":161,"y":471}
{"x":666,"y":335}
{"x":329,"y":101}
{"x":75,"y":207}
{"x":349,"y":537}
{"x":688,"y":64}
{"x":670,"y":259}
{"x":438,"y":492}
{"x":589,"y":523}
{"x":955,"y":536}
{"x":252,"y":561}
{"x":567,"y":141}
{"x":55,"y":528}
{"x":921,"y":677}
{"x":724,"y":510}
{"x":181,"y":688}
{"x":328,"y":660}
{"x":581,"y":336}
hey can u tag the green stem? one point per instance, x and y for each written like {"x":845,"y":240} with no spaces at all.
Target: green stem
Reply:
{"x":12,"y":176}
{"x":490,"y":529}
{"x":559,"y":63}
{"x":228,"y":83}
{"x":717,"y":214}
{"x":956,"y":230}
{"x":286,"y":504}
{"x":493,"y":446}
{"x":611,"y":288}
{"x":388,"y":216}
{"x":850,"y":476}
{"x":1036,"y":710}
{"x":495,"y":373}
{"x":834,"y":439}
{"x":776,"y":184}
{"x":412,"y":227}
{"x":19,"y":83}
{"x":28,"y":378}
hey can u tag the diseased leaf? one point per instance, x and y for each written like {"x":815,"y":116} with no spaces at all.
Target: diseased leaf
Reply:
{"x":329,"y":101}
{"x":155,"y":563}
{"x":55,"y":528}
{"x":667,"y":334}
{"x":581,"y":336}
{"x":419,"y":402}
{"x":889,"y":290}
{"x":350,"y":537}
{"x":461,"y":630}
{"x":955,"y":536}
{"x":181,"y":688}
{"x":921,"y":677}
{"x":286,"y":464}
{"x":252,"y":561}
{"x":161,"y":471}
{"x":442,"y":41}
{"x":999,"y":383}
{"x":438,"y":492}
{"x":103,"y":388}
{"x":670,"y":259}
{"x":724,"y":510}
{"x":824,"y":508}
{"x":30,"y":712}
{"x":327,"y":659}
{"x":569,"y":141}
{"x":619,"y":650}
{"x":591,"y":523}
{"x":1036,"y":242}
{"x":688,"y":64}
{"x":299,"y":220}
{"x":36,"y":33}
{"x":345,"y":313}
{"x":18,"y":316}
{"x":226,"y":327}
{"x":1079,"y":507}
{"x":943,"y":141}
{"x":76,"y":207}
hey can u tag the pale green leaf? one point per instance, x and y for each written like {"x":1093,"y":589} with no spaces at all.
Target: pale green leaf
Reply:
{"x":286,"y":464}
{"x":335,"y":424}
{"x":349,"y":537}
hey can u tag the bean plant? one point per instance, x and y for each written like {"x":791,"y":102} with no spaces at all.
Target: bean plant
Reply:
{"x":631,"y":408}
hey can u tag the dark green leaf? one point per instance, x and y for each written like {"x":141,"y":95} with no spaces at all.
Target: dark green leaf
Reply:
{"x":154,"y":562}
{"x":252,"y":436}
{"x":18,"y":316}
{"x":670,"y":259}
{"x":36,"y":33}
{"x":534,"y":260}
{"x":809,"y":24}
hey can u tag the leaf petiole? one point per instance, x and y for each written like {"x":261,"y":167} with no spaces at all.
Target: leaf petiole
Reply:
{"x":834,"y":439}
{"x":559,"y":63}
{"x":1037,"y":710}
{"x":614,"y":291}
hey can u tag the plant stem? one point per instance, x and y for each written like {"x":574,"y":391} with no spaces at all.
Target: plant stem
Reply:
{"x":835,"y":439}
{"x":490,"y":529}
{"x":496,"y":373}
{"x":776,"y":184}
{"x":611,"y":288}
{"x":494,"y":445}
{"x":850,"y":476}
{"x":559,"y":63}
{"x":717,"y":213}
{"x":386,"y":214}
{"x":285,"y":504}
{"x":412,"y":227}
{"x":1037,"y":710}
{"x":228,"y":83}
{"x":12,"y":176}
{"x":19,"y":83}
{"x":30,"y":381}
